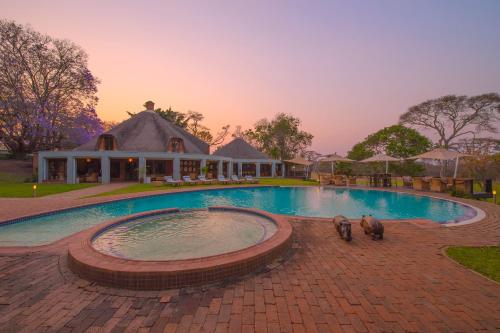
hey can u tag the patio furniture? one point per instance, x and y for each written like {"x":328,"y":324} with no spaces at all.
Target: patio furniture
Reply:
{"x":251,"y":180}
{"x":188,"y":180}
{"x":407,"y":181}
{"x":421,"y":183}
{"x":449,"y":183}
{"x":352,"y":180}
{"x":171,"y":181}
{"x":463,"y":185}
{"x":324,"y":179}
{"x":236,"y":180}
{"x":381,"y":180}
{"x":339,"y":180}
{"x":203,"y":180}
{"x":223,"y":180}
{"x":439,"y":185}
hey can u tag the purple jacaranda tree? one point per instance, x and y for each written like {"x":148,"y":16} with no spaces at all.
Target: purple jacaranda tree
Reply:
{"x":47,"y":92}
{"x":84,"y":127}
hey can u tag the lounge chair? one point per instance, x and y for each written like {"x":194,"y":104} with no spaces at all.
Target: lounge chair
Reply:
{"x":236,"y":180}
{"x":188,"y":180}
{"x":251,"y":180}
{"x":421,"y":183}
{"x":171,"y":181}
{"x":202,"y":179}
{"x":221,"y":179}
{"x":438,"y":185}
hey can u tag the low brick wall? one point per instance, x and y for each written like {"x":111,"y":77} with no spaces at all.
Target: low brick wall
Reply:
{"x":90,"y":264}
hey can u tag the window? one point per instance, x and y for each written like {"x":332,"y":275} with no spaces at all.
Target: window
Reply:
{"x":175,"y":145}
{"x":107,"y":142}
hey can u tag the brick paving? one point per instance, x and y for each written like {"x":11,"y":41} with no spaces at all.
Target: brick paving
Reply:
{"x":401,"y":284}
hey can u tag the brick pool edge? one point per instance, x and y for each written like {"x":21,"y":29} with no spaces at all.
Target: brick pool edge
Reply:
{"x":107,"y":270}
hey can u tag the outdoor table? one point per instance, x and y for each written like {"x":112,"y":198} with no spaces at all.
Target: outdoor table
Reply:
{"x":381,"y":180}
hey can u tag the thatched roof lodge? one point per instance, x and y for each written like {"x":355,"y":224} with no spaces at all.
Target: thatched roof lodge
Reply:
{"x":148,"y":147}
{"x":251,"y":161}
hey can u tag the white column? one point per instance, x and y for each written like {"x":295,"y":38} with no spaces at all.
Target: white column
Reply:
{"x":257,"y":170}
{"x":142,"y":168}
{"x":273,"y":169}
{"x":42,"y":169}
{"x":177,"y":168}
{"x":105,"y":170}
{"x":70,"y":170}
{"x":229,"y":169}
{"x":203,"y":164}
{"x":240,"y":169}
{"x":282,"y":169}
{"x":220,"y":165}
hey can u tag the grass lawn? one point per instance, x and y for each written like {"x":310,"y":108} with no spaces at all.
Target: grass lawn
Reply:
{"x":25,"y":190}
{"x":135,"y":188}
{"x":484,"y":260}
{"x":496,"y":187}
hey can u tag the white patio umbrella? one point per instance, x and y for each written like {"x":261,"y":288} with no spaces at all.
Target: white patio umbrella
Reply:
{"x":441,"y":154}
{"x":300,"y":161}
{"x":381,"y":158}
{"x":335,"y":158}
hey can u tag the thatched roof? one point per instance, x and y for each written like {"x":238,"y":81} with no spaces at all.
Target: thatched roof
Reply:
{"x":240,"y":149}
{"x":149,"y":132}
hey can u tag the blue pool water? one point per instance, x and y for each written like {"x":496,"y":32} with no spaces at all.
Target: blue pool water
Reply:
{"x":298,"y":201}
{"x":185,"y":235}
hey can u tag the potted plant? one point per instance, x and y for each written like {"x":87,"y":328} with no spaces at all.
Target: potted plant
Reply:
{"x":204,"y":171}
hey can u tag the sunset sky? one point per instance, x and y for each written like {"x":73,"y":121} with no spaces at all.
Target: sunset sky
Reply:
{"x":346,"y":69}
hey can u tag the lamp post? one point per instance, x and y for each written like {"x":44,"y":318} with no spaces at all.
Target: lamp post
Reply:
{"x":494,"y":196}
{"x":34,"y":191}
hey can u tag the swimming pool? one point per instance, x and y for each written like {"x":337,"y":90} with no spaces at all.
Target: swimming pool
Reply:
{"x":295,"y":201}
{"x":184,"y":235}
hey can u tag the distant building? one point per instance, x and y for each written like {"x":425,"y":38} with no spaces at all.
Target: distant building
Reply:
{"x":150,"y":147}
{"x":251,"y":162}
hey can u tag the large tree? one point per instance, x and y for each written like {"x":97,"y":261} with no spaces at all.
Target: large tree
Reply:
{"x":396,"y":141}
{"x":47,"y":91}
{"x":280,"y":138}
{"x":485,"y":163}
{"x":453,"y":117}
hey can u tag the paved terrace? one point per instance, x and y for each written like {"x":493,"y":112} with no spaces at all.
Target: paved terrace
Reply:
{"x":403,"y":283}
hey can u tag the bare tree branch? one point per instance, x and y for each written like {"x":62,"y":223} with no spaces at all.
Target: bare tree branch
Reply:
{"x":454,"y":116}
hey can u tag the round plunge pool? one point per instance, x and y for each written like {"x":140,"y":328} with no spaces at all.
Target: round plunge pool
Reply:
{"x":171,"y":248}
{"x":184,"y":235}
